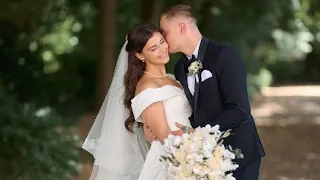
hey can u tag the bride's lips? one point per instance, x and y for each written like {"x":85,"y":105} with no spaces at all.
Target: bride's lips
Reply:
{"x":164,"y":55}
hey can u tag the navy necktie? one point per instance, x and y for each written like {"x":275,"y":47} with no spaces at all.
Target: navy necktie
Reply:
{"x":187,"y":63}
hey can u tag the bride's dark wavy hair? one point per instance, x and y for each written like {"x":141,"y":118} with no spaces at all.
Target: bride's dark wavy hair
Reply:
{"x":137,"y":37}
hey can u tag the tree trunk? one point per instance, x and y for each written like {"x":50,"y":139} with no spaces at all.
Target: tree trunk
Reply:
{"x":157,"y":8}
{"x":107,"y":45}
{"x":151,"y":15}
{"x":207,"y":17}
{"x":146,"y":10}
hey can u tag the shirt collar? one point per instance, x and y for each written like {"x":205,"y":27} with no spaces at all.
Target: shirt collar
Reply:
{"x":196,"y":50}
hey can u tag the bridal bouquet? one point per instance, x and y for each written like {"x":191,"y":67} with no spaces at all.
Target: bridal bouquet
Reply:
{"x":200,"y":155}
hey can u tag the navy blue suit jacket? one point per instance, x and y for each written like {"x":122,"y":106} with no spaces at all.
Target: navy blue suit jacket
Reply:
{"x":223,"y":99}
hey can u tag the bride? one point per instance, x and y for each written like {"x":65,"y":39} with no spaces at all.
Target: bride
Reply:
{"x":141,"y":92}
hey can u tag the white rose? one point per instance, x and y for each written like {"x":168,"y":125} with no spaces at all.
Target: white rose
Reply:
{"x":176,"y":140}
{"x":194,"y":147}
{"x":214,"y":163}
{"x":212,"y":141}
{"x":207,"y":153}
{"x":199,"y":158}
{"x":180,"y":156}
{"x":185,"y":136}
{"x":227,"y":153}
{"x":196,"y":170}
{"x":215,"y":128}
{"x":230,"y":177}
{"x":191,"y":156}
{"x":204,"y":171}
{"x":207,"y":145}
{"x":228,"y":165}
{"x":218,"y":152}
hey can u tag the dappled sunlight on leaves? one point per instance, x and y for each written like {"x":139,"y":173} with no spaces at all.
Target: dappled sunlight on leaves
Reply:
{"x":59,"y":39}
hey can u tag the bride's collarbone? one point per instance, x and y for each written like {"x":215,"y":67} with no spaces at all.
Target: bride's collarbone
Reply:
{"x":145,"y":83}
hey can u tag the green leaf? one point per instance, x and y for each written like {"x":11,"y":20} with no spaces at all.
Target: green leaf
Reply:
{"x":226,"y":133}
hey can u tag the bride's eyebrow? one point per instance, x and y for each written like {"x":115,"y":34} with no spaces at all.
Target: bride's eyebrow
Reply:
{"x":155,"y":45}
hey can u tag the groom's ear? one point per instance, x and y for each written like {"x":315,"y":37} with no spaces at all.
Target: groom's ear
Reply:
{"x":182,"y":27}
{"x":140,"y":56}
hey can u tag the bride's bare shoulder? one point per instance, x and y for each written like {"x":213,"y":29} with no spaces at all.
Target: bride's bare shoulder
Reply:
{"x":146,"y":83}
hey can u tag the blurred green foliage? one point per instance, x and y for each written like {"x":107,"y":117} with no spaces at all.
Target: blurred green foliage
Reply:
{"x":56,"y":47}
{"x":35,"y":144}
{"x":49,"y":53}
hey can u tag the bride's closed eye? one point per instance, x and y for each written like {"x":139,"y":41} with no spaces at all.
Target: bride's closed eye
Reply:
{"x":155,"y":46}
{"x":152,"y":48}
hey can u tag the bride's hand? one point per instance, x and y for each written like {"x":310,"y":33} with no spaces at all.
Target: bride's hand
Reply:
{"x":148,"y":134}
{"x":183,"y":129}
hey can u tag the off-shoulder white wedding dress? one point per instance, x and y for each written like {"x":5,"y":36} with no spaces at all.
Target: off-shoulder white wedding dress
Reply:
{"x":177,"y":109}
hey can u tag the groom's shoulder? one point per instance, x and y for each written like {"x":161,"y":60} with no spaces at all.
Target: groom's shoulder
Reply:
{"x":218,"y":46}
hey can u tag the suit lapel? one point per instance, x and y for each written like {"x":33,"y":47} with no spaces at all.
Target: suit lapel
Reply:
{"x":201,"y":53}
{"x":183,"y":81}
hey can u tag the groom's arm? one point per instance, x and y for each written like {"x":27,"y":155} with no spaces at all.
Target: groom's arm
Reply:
{"x":231,"y":75}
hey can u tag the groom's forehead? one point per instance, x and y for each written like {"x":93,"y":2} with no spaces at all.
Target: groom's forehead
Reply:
{"x":164,"y":21}
{"x":164,"y":25}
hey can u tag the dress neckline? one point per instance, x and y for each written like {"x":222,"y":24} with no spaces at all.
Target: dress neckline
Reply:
{"x":164,"y":86}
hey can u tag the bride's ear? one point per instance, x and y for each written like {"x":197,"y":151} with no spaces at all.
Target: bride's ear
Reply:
{"x":140,"y":56}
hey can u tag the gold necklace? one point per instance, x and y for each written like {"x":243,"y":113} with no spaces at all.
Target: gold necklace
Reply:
{"x":155,"y":76}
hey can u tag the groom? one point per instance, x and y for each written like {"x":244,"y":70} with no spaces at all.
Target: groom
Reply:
{"x":217,"y":92}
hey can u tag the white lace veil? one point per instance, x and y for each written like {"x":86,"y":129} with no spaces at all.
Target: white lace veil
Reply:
{"x":116,"y":151}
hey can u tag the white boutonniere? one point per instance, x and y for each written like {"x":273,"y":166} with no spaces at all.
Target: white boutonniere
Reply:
{"x":195,"y":67}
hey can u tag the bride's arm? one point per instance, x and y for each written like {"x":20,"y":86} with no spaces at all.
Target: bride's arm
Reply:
{"x":148,"y":134}
{"x":155,"y":117}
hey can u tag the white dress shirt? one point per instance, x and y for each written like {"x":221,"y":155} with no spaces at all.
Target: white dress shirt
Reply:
{"x":192,"y":79}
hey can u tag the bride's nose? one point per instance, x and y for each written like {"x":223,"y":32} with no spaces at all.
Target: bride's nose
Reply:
{"x":164,"y":48}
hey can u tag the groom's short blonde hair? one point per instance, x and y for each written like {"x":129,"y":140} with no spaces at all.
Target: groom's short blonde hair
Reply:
{"x":180,"y":10}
